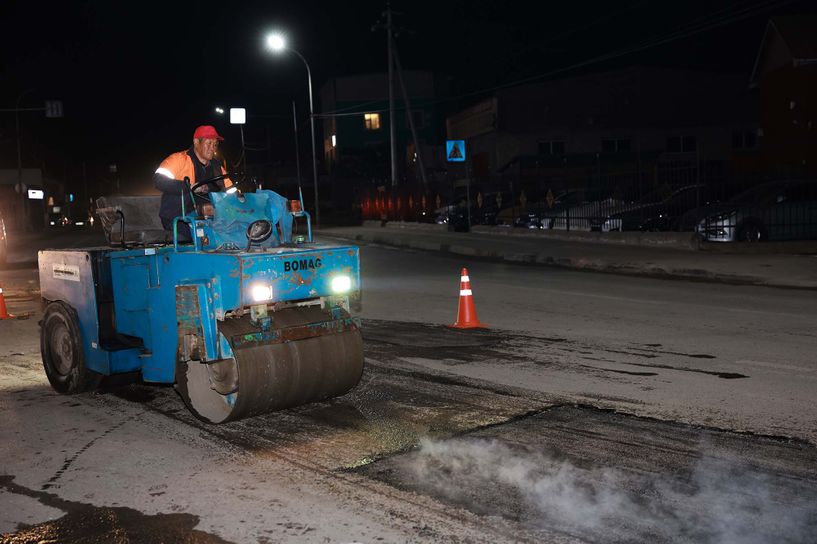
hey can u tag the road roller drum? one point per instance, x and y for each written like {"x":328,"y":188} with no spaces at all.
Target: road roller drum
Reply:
{"x":267,"y":375}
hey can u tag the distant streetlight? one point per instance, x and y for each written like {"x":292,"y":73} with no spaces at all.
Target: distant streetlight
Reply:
{"x":277,"y":44}
{"x":238,"y":120}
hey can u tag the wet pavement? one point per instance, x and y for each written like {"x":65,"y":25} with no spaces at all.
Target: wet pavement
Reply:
{"x":88,"y":524}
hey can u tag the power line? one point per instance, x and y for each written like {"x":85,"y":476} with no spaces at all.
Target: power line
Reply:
{"x":696,"y":26}
{"x":676,"y":35}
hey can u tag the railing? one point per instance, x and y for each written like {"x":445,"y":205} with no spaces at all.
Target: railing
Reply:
{"x":675,"y":195}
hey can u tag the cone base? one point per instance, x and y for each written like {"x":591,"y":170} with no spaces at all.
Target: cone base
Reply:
{"x":476,"y":325}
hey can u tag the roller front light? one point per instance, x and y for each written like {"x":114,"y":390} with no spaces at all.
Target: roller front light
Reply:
{"x":341,"y":284}
{"x":261,"y":292}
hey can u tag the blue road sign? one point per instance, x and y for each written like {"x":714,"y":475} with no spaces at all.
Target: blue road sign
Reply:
{"x":455,"y":150}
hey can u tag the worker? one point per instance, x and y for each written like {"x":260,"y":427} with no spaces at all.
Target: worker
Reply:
{"x":198,"y":163}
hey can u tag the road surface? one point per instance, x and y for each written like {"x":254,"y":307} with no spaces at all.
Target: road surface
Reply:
{"x":597,"y":408}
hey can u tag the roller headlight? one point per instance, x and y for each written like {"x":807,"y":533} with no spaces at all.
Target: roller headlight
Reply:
{"x":341,"y":284}
{"x":261,"y":292}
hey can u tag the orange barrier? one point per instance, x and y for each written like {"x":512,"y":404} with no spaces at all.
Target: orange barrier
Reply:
{"x":467,"y":313}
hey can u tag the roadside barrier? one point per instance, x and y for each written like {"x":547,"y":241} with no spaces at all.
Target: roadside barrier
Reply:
{"x":467,"y":312}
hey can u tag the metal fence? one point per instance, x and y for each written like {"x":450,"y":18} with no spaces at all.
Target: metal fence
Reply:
{"x":659,"y":195}
{"x":776,"y":210}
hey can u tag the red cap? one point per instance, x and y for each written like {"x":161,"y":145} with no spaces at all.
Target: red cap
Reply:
{"x":206,"y":131}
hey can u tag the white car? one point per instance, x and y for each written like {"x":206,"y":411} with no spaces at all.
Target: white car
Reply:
{"x":778,"y":210}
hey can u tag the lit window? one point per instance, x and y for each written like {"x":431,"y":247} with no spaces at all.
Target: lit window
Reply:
{"x":372,"y":121}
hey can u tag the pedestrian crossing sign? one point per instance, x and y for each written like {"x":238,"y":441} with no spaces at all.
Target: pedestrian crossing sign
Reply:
{"x":455,"y":150}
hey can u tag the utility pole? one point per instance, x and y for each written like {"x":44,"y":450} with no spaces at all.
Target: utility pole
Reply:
{"x":394,"y":62}
{"x":417,"y":149}
{"x":388,"y":14}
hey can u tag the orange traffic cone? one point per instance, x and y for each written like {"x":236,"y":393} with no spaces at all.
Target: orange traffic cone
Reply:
{"x":4,"y":313}
{"x":467,"y":313}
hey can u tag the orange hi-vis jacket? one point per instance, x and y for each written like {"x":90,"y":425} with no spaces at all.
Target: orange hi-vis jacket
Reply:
{"x":169,"y":179}
{"x":180,"y":165}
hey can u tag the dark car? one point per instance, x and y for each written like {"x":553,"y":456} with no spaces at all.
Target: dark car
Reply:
{"x":575,"y":210}
{"x":658,"y":211}
{"x":458,"y":219}
{"x":530,"y":220}
{"x":777,"y":210}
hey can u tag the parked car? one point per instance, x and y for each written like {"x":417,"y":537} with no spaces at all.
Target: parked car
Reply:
{"x":587,"y":215}
{"x":657,"y":211}
{"x":530,"y":220}
{"x":777,"y":210}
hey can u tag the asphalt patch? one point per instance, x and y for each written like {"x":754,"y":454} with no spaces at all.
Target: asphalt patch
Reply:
{"x":716,"y":373}
{"x":454,"y":346}
{"x":421,"y":335}
{"x":605,"y":477}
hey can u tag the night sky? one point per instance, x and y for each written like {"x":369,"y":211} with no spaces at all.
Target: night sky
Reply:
{"x":136,"y":79}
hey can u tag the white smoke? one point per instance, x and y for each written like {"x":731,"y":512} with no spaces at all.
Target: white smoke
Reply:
{"x":720,"y":502}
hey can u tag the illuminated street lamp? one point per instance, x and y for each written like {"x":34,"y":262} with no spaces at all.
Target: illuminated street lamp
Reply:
{"x":277,"y":44}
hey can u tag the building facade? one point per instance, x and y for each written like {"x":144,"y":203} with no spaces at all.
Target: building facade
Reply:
{"x":356,"y":131}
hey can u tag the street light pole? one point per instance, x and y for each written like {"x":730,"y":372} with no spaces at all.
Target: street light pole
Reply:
{"x":243,"y":148}
{"x":297,"y":158}
{"x":312,"y":129}
{"x":392,"y":128}
{"x":277,"y":43}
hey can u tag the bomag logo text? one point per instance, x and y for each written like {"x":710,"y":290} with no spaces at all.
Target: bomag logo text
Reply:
{"x":301,"y":264}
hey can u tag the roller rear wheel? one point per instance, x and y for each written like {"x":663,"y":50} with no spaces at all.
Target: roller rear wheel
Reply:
{"x":62,"y":352}
{"x":264,"y":377}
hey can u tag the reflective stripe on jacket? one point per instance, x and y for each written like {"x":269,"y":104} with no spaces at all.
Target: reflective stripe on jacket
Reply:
{"x":180,"y":165}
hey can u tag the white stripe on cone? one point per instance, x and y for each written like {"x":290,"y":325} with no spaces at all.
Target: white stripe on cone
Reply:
{"x":465,"y":292}
{"x":464,"y":278}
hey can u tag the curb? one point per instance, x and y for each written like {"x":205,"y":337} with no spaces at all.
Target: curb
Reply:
{"x":578,"y":263}
{"x":675,"y":240}
{"x":687,"y":241}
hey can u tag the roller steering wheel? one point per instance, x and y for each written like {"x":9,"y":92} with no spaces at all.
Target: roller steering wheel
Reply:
{"x":202,"y":183}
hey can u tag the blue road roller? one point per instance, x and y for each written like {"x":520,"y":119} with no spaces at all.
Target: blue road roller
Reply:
{"x":244,"y":315}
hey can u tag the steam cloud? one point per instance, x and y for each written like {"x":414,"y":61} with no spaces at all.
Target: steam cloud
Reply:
{"x":719,"y":502}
